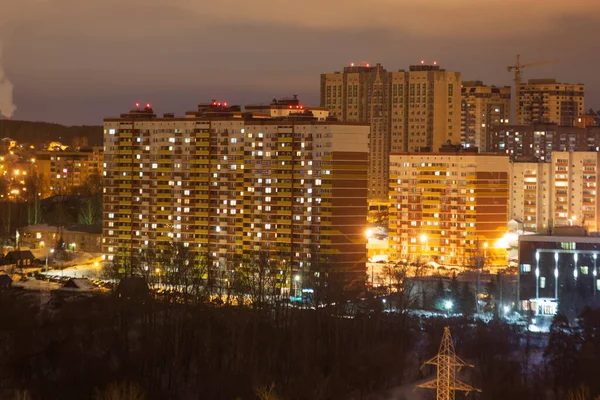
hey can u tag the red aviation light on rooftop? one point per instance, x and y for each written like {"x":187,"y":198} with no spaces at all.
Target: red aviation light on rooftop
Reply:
{"x":214,"y":103}
{"x":422,"y":61}
{"x":368,"y":65}
{"x":147,"y":105}
{"x":137,"y":104}
{"x":352,"y":64}
{"x":435,"y":63}
{"x":225,"y":104}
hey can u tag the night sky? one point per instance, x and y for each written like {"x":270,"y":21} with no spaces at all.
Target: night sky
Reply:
{"x":78,"y":61}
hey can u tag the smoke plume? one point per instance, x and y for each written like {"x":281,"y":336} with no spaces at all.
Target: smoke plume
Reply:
{"x":7,"y":107}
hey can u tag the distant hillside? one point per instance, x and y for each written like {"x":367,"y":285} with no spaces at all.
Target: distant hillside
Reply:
{"x":37,"y":133}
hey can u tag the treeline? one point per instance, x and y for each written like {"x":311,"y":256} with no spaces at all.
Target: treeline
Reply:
{"x":41,"y":132}
{"x":208,"y":332}
{"x":169,"y":350}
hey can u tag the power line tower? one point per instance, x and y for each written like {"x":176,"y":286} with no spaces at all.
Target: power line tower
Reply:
{"x":447,"y":361}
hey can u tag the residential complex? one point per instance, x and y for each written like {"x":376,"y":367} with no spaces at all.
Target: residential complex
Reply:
{"x":537,"y":142}
{"x":482,"y":108}
{"x":446,"y":206}
{"x":560,"y":193}
{"x":228,"y":184}
{"x":61,"y":171}
{"x":408,"y":111}
{"x":548,"y":101}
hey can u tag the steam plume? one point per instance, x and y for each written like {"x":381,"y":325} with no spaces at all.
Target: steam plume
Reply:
{"x":7,"y":107}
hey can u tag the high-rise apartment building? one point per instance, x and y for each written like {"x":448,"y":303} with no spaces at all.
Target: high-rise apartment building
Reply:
{"x":446,"y":206}
{"x":531,"y":194}
{"x":63,"y":171}
{"x":482,"y":108}
{"x":561,"y":193}
{"x":575,"y":196}
{"x":408,"y":111}
{"x":537,"y":142}
{"x":548,"y":101}
{"x":228,"y":185}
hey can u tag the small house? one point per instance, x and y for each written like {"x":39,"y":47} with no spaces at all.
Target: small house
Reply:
{"x":20,"y":258}
{"x":78,"y":285}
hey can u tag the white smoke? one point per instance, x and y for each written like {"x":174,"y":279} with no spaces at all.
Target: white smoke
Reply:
{"x":7,"y":107}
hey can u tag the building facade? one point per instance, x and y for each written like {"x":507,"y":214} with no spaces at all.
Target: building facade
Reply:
{"x":446,"y":206}
{"x":553,"y":268}
{"x":537,"y":142}
{"x":62,"y":171}
{"x":228,"y":185}
{"x":561,"y":193}
{"x":548,"y":101}
{"x":482,"y":108}
{"x":78,"y":237}
{"x":408,"y":111}
{"x":531,"y":195}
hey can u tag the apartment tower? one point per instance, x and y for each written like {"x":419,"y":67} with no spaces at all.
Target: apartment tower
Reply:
{"x":409,"y":111}
{"x":482,"y":108}
{"x":228,"y":185}
{"x":446,"y":206}
{"x":548,"y":101}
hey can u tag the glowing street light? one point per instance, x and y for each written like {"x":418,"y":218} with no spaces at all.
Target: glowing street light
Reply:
{"x":448,"y":306}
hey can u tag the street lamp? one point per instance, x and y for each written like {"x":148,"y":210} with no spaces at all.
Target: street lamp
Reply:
{"x":51,"y":251}
{"x":448,"y":306}
{"x":424,"y":239}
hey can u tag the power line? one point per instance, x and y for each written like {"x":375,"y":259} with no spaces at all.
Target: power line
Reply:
{"x":447,"y":361}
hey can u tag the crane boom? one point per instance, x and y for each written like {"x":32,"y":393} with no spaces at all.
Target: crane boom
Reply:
{"x":517,"y":68}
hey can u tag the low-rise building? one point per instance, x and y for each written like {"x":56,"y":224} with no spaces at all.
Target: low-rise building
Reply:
{"x":63,"y":171}
{"x":555,"y":269}
{"x":78,"y":237}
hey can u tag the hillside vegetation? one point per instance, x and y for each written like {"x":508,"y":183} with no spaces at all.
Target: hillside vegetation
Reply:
{"x":41,"y":132}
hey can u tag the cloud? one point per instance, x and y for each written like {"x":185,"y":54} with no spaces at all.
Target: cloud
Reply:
{"x":59,"y":51}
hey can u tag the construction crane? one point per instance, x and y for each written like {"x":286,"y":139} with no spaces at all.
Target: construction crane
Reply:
{"x":447,"y":361}
{"x":517,"y":68}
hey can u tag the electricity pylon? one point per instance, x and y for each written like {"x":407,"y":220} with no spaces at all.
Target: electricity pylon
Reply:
{"x":447,"y":361}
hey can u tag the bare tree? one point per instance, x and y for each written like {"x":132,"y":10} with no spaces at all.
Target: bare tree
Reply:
{"x":403,"y":279}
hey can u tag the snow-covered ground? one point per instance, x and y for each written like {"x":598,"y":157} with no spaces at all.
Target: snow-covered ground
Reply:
{"x":37,"y":285}
{"x":91,"y":271}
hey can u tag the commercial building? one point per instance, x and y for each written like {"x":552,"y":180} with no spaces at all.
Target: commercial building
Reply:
{"x":537,"y":142}
{"x":62,"y":171}
{"x":554,"y":268}
{"x":482,"y":108}
{"x":228,"y":185}
{"x":548,"y":101}
{"x":561,"y":193}
{"x":445,"y":207}
{"x":408,"y":111}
